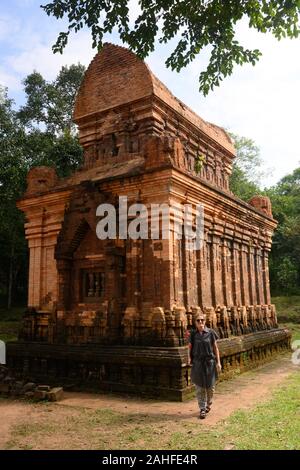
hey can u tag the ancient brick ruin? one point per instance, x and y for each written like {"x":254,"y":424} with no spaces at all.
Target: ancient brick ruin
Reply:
{"x":113,"y":314}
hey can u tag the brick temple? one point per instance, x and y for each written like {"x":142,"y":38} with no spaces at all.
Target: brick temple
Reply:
{"x":113,"y":314}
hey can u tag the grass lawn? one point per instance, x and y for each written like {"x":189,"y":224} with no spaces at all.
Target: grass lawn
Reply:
{"x":288,"y":313}
{"x":288,"y":308}
{"x":294,"y":329}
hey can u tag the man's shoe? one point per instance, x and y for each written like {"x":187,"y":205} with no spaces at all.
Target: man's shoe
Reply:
{"x":208,"y":408}
{"x":202,"y":414}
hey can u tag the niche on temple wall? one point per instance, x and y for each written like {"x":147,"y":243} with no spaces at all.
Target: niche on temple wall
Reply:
{"x":114,"y":146}
{"x":89,"y":270}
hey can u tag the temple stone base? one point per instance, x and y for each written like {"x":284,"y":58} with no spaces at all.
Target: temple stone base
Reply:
{"x":242,"y":353}
{"x":147,"y":371}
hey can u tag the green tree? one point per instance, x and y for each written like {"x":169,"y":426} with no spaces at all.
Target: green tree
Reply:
{"x":13,"y":169}
{"x":47,"y":116}
{"x":285,"y":255}
{"x":40,"y":133}
{"x":51,"y":103}
{"x":43,"y":148}
{"x":284,"y":275}
{"x":246,"y":174}
{"x":245,"y":182}
{"x":195,"y":23}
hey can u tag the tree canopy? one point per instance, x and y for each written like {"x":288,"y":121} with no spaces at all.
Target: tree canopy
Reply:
{"x":51,"y":136}
{"x":51,"y":103}
{"x":246,"y":174}
{"x":195,"y":24}
{"x":13,"y":169}
{"x":285,"y":258}
{"x":245,"y":182}
{"x":39,"y":133}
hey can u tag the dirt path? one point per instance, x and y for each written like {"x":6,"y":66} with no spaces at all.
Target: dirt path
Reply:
{"x":10,"y":413}
{"x":242,"y":392}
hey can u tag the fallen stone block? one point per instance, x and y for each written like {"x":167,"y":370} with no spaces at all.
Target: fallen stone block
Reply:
{"x":29,"y":387}
{"x":40,"y":395}
{"x":43,"y":388}
{"x":55,"y":394}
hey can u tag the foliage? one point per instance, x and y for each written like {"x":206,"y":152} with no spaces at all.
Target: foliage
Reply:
{"x":39,"y":133}
{"x":196,"y":24}
{"x":248,"y":158}
{"x":246,"y":171}
{"x":13,"y":169}
{"x":51,"y":137}
{"x":51,"y":103}
{"x":288,"y":309}
{"x":285,"y":256}
{"x":286,"y":275}
{"x":45,"y":148}
{"x":241,"y":186}
{"x":199,"y":162}
{"x":285,"y":198}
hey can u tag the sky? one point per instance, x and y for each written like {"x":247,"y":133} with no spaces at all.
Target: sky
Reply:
{"x":261,"y":102}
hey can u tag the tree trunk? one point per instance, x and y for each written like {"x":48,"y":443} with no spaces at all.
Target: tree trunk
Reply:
{"x":11,"y":274}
